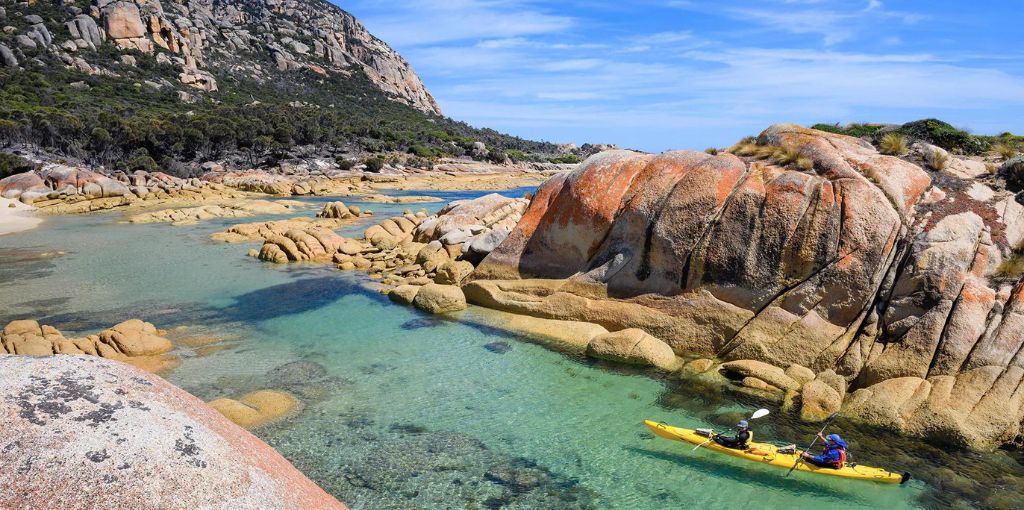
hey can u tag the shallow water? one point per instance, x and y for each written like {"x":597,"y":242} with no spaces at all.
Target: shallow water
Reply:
{"x":406,"y":410}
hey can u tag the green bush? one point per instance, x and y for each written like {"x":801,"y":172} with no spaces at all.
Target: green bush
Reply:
{"x":568,"y":159}
{"x":374,"y":164}
{"x":497,"y":156}
{"x":421,"y":151}
{"x":856,"y":130}
{"x":144,"y":162}
{"x":939,"y":133}
{"x":1013,"y":171}
{"x":344,"y":164}
{"x":11,"y":164}
{"x":113,"y":118}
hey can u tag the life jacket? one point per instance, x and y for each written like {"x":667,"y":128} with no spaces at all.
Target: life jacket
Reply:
{"x":839,"y":463}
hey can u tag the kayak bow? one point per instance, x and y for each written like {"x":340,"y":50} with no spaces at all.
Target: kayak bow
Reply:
{"x":764,"y":453}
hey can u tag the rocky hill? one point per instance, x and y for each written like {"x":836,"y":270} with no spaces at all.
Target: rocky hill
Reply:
{"x":824,"y":274}
{"x":175,"y":83}
{"x":247,"y":39}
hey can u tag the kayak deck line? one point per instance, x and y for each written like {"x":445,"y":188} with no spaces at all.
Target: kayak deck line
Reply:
{"x":769,"y":454}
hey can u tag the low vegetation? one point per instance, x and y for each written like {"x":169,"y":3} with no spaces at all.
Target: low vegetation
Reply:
{"x":932,"y":131}
{"x":119,"y":123}
{"x":1012,"y":267}
{"x":936,"y":160}
{"x":11,"y":164}
{"x":1004,"y":150}
{"x":1013,"y":172}
{"x":783,"y":156}
{"x":893,"y":144}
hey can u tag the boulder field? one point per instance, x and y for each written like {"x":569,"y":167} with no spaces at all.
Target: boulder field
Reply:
{"x":809,"y":257}
{"x":87,"y":432}
{"x":133,"y":341}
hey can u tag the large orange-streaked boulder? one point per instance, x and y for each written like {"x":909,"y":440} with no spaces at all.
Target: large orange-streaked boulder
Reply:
{"x":85,"y":432}
{"x":839,"y":259}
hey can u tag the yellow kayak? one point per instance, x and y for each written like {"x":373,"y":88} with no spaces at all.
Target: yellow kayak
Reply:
{"x":769,"y":455}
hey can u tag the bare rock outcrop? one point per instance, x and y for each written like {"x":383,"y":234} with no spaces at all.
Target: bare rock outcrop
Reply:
{"x":133,"y":341}
{"x":85,"y":432}
{"x":251,"y":40}
{"x":828,"y":256}
{"x":472,"y":228}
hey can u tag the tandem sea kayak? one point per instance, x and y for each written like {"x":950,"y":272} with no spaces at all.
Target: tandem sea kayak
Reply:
{"x":770,"y":455}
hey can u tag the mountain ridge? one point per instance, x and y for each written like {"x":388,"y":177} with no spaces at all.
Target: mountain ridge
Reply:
{"x":139,"y":84}
{"x":245,"y":38}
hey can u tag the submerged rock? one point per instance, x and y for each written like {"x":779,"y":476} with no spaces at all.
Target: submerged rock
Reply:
{"x":436,"y":298}
{"x":84,"y":432}
{"x":256,"y":408}
{"x":633,"y":346}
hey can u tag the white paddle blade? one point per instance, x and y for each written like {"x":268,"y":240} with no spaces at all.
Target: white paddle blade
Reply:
{"x":760,"y":413}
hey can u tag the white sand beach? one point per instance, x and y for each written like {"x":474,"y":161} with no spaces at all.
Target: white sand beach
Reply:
{"x":16,"y":217}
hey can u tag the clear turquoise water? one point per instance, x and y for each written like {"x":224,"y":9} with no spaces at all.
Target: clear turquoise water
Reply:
{"x":405,"y":410}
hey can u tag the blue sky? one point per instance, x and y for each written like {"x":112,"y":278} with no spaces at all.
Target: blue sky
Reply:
{"x":673,"y":74}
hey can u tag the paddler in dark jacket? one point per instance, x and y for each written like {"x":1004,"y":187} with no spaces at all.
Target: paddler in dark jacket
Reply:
{"x":834,"y":454}
{"x":738,"y":442}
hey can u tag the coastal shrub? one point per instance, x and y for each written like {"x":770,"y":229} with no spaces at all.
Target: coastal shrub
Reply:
{"x":422,"y":163}
{"x":856,"y":130}
{"x":374,"y":164}
{"x":893,"y":144}
{"x":142,"y":162}
{"x":566,"y":159}
{"x":936,"y":160}
{"x":111,"y":118}
{"x":422,"y":152}
{"x":942,"y":134}
{"x":711,"y":150}
{"x":8,"y":132}
{"x":1004,"y":151}
{"x":1012,"y":267}
{"x":344,"y":164}
{"x":1013,"y":172}
{"x":11,"y":164}
{"x":497,"y":156}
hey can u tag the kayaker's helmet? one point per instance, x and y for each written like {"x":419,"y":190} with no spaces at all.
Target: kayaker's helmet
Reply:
{"x":835,"y":439}
{"x":742,"y":424}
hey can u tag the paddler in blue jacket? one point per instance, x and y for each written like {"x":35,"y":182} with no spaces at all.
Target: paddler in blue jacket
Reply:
{"x":834,"y":454}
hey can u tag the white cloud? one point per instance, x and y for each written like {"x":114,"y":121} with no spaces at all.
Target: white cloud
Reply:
{"x":415,"y":23}
{"x":511,"y":65}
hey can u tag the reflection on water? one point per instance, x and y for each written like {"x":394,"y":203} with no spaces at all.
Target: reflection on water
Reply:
{"x":406,"y":410}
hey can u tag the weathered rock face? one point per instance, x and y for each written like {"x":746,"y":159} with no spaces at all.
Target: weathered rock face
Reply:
{"x":132,"y":341}
{"x":472,"y":228}
{"x":436,"y":298}
{"x":84,"y":432}
{"x":843,"y":265}
{"x":250,"y":39}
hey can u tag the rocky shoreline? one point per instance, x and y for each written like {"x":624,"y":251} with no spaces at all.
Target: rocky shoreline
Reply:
{"x":57,"y":189}
{"x":814,"y":307}
{"x":858,"y":282}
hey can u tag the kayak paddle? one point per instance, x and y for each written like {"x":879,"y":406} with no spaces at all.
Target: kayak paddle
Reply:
{"x":822,"y":431}
{"x":760,"y":413}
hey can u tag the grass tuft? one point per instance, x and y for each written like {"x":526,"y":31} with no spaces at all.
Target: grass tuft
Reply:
{"x":1013,"y":266}
{"x":893,"y":144}
{"x":1004,"y":151}
{"x":937,"y":160}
